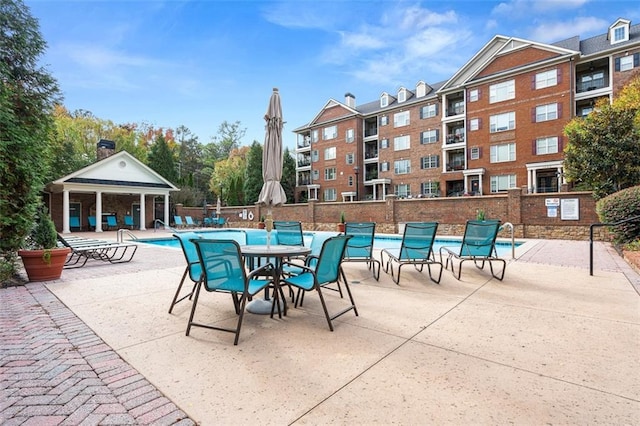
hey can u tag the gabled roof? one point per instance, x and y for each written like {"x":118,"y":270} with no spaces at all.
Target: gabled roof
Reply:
{"x":120,"y":172}
{"x":498,"y":46}
{"x":601,"y":43}
{"x":331,"y":103}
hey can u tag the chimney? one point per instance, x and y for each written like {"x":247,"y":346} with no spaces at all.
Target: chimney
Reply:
{"x":350,"y":100}
{"x":106,"y":148}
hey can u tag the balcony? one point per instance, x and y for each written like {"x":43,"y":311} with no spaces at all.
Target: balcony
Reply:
{"x":456,"y":109}
{"x":370,"y":127}
{"x":455,"y":138}
{"x":304,"y":163}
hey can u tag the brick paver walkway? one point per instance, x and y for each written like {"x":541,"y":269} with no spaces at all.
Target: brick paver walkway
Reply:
{"x":54,"y":370}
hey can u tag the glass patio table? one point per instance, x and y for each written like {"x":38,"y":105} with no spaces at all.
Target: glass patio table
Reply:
{"x":276,"y":253}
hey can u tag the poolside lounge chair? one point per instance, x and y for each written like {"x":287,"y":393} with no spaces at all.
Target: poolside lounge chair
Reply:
{"x":289,"y":232}
{"x":177,"y":220}
{"x":328,"y":270}
{"x":128,"y":221}
{"x":221,"y":261}
{"x":360,"y":247}
{"x":189,"y":221}
{"x":83,"y":250}
{"x":92,"y":222}
{"x":415,"y":249}
{"x":479,"y":245}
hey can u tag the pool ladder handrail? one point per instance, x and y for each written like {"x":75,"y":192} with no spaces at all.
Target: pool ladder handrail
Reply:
{"x":157,"y":222}
{"x":513,"y":240}
{"x":120,"y":235}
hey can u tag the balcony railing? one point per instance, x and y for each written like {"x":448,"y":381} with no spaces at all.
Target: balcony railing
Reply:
{"x":455,"y":110}
{"x":371,"y":176}
{"x":370,"y":153}
{"x":453,"y":138}
{"x":586,"y":86}
{"x":370,"y":131}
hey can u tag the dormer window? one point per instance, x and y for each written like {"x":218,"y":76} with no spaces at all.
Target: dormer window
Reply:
{"x":384,"y":100}
{"x":402,"y":95}
{"x":619,"y":31}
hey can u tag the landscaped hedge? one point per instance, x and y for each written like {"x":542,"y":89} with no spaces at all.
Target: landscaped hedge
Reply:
{"x":618,"y":206}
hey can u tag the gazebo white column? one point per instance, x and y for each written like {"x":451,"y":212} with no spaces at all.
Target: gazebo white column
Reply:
{"x":143,"y":213}
{"x":98,"y":211}
{"x":166,"y":211}
{"x":65,"y":212}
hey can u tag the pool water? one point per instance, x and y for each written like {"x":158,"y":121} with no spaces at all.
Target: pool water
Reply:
{"x":259,"y":237}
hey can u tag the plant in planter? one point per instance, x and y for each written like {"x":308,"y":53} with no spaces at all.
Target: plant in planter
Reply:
{"x":261,"y":223}
{"x":341,"y":224}
{"x":41,"y":257}
{"x":480,"y":215}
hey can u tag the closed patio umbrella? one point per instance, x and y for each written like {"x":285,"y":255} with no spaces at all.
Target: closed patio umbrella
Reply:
{"x":272,"y":193}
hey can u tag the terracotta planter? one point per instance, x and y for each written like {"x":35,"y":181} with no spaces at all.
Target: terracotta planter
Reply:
{"x":39,"y":268}
{"x":260,"y":225}
{"x":341,"y":227}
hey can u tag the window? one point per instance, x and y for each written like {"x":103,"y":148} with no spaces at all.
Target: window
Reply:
{"x":316,"y":175}
{"x":503,"y":152}
{"x":547,"y":145}
{"x":314,"y":155}
{"x":330,"y":194}
{"x":401,"y":119}
{"x":546,"y":79}
{"x":384,"y":167}
{"x":626,"y":63}
{"x":330,"y":153}
{"x":384,"y":143}
{"x":474,"y":124}
{"x":429,"y":136}
{"x":350,"y":135}
{"x":402,"y":167}
{"x":401,"y":142}
{"x":620,"y":34}
{"x":430,"y":188}
{"x":350,"y":181}
{"x":402,"y":95}
{"x":428,"y":111}
{"x":384,"y":120}
{"x":330,"y":173}
{"x":474,"y":95}
{"x":546,"y":112}
{"x":330,"y":132}
{"x":384,"y":100}
{"x":474,"y":153}
{"x":403,"y":190}
{"x":502,"y":122}
{"x":349,"y":158}
{"x":314,"y":136}
{"x":430,"y":162}
{"x":502,"y":91}
{"x":502,"y":182}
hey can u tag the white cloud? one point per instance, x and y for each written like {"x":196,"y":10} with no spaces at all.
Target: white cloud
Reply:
{"x":361,"y":40}
{"x":554,"y":31}
{"x":524,"y":8}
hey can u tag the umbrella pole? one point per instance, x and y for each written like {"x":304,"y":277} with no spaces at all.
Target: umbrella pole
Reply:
{"x":268,"y":225}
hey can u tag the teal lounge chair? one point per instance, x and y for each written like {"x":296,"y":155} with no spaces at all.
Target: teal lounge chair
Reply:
{"x":111,"y":222}
{"x":328,"y":270}
{"x":360,"y":247}
{"x":415,"y":249}
{"x":221,"y":261}
{"x":189,"y":221}
{"x":478,"y":245}
{"x":74,"y":222}
{"x":92,"y":222}
{"x":177,"y":220}
{"x":128,"y":221}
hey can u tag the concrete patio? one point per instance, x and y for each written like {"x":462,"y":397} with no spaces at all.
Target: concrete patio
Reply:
{"x":549,"y":344}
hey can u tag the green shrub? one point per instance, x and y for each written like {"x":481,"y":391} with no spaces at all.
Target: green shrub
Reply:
{"x":619,"y":206}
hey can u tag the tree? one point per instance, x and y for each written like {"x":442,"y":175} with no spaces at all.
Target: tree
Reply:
{"x":289,"y":175}
{"x":228,"y":177}
{"x":602,"y":154}
{"x":229,"y":137}
{"x":161,"y":159}
{"x":28,"y":94}
{"x":253,"y":178}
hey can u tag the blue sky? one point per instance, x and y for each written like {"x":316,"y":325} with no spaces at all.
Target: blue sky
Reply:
{"x":199,"y":63}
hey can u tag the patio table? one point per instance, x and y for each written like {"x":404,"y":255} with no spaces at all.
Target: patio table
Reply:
{"x":278,"y":253}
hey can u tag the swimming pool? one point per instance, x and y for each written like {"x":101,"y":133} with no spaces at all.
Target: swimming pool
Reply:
{"x":259,"y":236}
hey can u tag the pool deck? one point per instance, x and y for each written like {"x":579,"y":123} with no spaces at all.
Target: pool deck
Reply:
{"x":549,"y":344}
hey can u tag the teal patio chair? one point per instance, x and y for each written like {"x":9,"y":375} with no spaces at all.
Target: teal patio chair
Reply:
{"x":478,"y":245}
{"x":177,"y":220}
{"x":193,"y":268}
{"x":289,"y":232}
{"x":328,"y":270}
{"x":223,"y":271}
{"x":189,"y":222}
{"x":415,"y":249}
{"x":360,"y":247}
{"x":128,"y":221}
{"x":74,"y":223}
{"x":92,"y":222}
{"x":112,"y":222}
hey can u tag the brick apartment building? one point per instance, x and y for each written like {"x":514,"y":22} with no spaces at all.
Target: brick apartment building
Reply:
{"x":496,"y":124}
